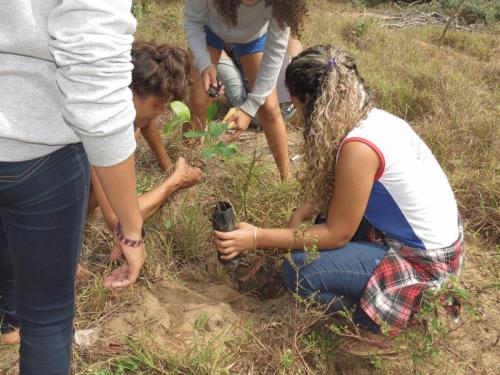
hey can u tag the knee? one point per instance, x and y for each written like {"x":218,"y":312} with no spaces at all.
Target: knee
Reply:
{"x":290,"y":275}
{"x":270,"y":112}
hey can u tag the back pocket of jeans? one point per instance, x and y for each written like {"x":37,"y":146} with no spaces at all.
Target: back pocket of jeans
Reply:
{"x":20,"y":171}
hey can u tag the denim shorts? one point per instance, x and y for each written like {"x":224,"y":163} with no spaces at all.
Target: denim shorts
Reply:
{"x":240,"y":49}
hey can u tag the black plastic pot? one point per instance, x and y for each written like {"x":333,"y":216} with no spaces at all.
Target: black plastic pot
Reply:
{"x":213,"y":91}
{"x":224,"y":220}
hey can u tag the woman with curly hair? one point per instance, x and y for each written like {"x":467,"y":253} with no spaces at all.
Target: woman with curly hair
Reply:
{"x":259,"y":32}
{"x":388,"y":227}
{"x":160,"y":75}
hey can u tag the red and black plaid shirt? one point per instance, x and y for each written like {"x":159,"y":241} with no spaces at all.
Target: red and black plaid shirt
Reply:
{"x":394,"y":291}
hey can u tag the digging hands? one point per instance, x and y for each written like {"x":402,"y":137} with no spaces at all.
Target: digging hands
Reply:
{"x":185,"y":174}
{"x":231,"y":244}
{"x":128,"y":273}
{"x":239,"y":122}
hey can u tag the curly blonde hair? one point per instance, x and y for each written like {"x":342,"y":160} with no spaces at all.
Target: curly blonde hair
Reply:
{"x":326,"y":80}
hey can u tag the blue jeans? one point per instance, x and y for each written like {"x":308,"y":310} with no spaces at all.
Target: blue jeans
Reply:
{"x":337,"y":277}
{"x":42,"y":211}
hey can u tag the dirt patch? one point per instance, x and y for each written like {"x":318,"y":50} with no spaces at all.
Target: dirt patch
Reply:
{"x":169,"y":314}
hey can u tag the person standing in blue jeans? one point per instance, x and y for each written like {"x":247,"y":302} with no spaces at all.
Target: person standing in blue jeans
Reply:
{"x":65,"y":102}
{"x":362,"y":165}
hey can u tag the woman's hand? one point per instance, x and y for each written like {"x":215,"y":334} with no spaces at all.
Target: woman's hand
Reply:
{"x":231,"y":244}
{"x":185,"y":174}
{"x":128,"y":273}
{"x":209,"y":78}
{"x":240,"y":122}
{"x":304,"y":212}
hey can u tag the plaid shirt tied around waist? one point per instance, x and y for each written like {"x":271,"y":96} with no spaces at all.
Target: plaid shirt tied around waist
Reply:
{"x":394,"y":291}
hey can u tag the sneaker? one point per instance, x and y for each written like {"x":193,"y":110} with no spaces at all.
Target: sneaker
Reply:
{"x":287,"y":110}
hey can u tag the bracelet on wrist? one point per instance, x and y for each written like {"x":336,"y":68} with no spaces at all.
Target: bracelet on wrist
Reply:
{"x":127,"y":241}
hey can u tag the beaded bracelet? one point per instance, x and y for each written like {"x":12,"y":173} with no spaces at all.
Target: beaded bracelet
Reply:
{"x":127,"y":241}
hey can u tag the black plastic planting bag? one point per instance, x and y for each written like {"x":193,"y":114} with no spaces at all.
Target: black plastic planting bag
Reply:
{"x":224,"y":220}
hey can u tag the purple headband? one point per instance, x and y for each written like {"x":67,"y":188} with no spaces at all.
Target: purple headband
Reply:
{"x":331,"y":63}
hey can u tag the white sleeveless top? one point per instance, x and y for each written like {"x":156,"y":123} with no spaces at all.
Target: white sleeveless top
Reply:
{"x":411,"y":199}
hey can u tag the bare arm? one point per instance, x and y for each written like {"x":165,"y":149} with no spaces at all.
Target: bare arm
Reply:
{"x":118,"y":183}
{"x":91,"y":43}
{"x":107,"y":212}
{"x":355,"y":172}
{"x":152,"y":135}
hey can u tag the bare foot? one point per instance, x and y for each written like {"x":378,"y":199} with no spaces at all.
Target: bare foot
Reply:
{"x":187,"y":175}
{"x":11,"y":338}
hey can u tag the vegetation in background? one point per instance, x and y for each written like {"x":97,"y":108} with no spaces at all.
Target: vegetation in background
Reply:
{"x":473,"y":11}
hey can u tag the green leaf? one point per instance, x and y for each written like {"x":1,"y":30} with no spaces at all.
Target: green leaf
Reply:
{"x":167,"y":128}
{"x":208,"y":153}
{"x":168,"y":224}
{"x":211,"y":112}
{"x":193,"y":134}
{"x":126,"y":364}
{"x":216,"y":129}
{"x":181,"y":110}
{"x":228,"y":151}
{"x":201,"y":321}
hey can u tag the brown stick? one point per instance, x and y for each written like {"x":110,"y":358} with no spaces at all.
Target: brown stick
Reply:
{"x":461,"y":357}
{"x":450,"y":20}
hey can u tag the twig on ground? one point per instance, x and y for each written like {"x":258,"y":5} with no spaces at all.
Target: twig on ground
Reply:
{"x":460,"y":357}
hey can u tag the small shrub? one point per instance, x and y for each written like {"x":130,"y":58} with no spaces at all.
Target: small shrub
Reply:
{"x":141,"y":9}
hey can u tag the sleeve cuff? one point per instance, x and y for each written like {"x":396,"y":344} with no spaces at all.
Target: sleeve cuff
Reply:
{"x":252,"y":105}
{"x":106,"y":151}
{"x":202,"y":63}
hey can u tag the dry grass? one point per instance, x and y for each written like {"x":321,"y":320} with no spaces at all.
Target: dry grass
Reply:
{"x":449,"y":94}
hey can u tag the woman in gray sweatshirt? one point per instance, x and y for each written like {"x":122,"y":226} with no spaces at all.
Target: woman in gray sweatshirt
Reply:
{"x":65,"y":69}
{"x":259,"y":32}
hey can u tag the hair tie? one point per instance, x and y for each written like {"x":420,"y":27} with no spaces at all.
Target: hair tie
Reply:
{"x":331,"y":63}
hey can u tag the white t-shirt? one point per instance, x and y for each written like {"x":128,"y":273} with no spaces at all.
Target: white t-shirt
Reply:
{"x":411,"y":199}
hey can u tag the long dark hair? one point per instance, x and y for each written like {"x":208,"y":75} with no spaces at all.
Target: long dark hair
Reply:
{"x":326,"y":80}
{"x":290,"y":13}
{"x":160,"y":70}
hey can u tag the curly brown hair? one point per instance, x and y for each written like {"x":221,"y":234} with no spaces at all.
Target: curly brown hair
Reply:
{"x":160,"y":70}
{"x":291,"y":13}
{"x":326,"y":80}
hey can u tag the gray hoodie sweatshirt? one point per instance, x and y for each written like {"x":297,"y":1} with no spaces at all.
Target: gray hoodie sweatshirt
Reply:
{"x":253,"y":22}
{"x":65,"y":68}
